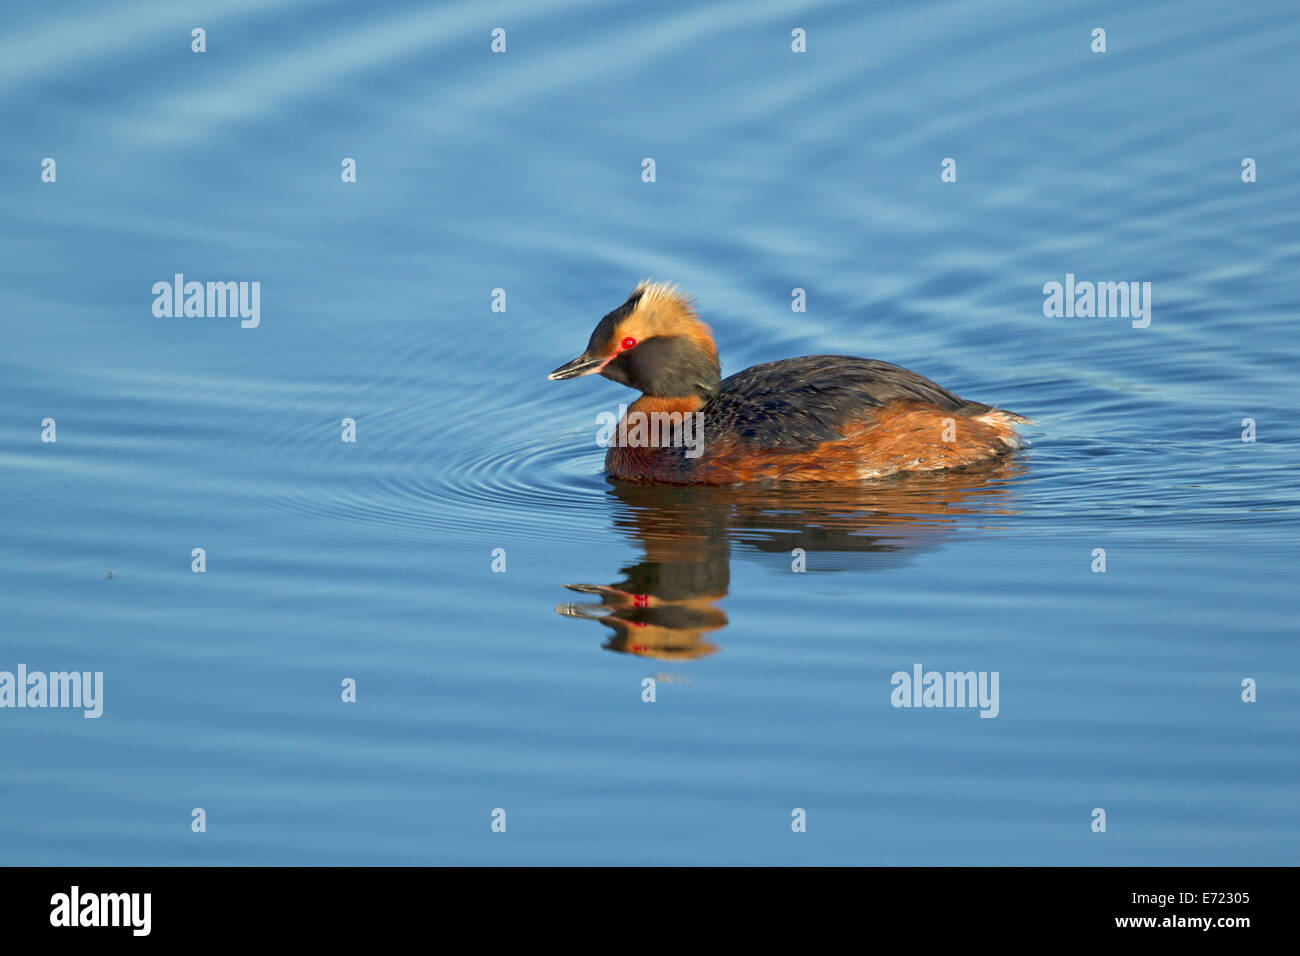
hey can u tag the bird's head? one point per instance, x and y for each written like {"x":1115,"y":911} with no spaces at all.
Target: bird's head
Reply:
{"x":654,"y":342}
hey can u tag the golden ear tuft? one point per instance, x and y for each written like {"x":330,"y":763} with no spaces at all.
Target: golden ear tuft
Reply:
{"x":663,"y":293}
{"x":663,"y":309}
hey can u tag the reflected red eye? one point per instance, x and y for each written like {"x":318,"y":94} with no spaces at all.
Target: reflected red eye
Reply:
{"x":629,"y":343}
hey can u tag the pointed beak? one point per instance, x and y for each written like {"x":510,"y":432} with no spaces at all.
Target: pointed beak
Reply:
{"x":583,"y":365}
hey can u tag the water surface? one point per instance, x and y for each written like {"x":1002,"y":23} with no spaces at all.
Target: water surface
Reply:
{"x":522,"y":171}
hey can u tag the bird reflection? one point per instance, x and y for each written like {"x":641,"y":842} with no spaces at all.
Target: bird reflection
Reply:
{"x":666,"y":606}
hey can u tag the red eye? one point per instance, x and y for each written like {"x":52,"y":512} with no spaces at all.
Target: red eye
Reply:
{"x":629,"y":343}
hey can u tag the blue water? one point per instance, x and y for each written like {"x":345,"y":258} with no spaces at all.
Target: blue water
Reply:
{"x":522,"y":171}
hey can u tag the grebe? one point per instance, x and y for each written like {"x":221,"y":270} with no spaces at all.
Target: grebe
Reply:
{"x":816,"y":418}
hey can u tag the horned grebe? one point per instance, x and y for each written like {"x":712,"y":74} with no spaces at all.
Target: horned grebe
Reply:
{"x":816,"y":418}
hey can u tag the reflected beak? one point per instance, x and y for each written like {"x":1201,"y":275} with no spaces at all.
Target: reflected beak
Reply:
{"x":583,"y":365}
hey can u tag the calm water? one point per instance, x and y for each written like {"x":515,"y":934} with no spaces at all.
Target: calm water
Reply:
{"x":522,"y":171}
